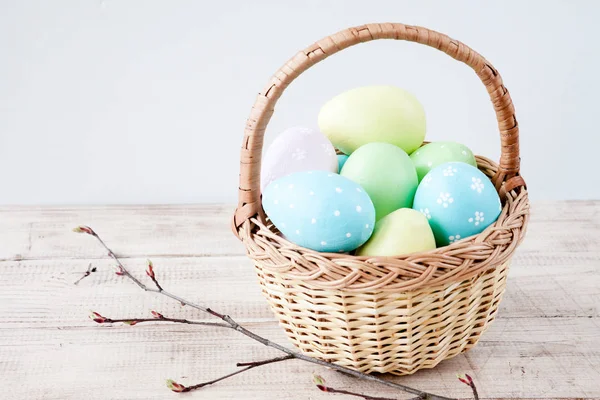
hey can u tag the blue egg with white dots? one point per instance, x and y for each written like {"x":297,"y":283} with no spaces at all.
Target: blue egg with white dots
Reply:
{"x":458,"y":200}
{"x":320,"y":210}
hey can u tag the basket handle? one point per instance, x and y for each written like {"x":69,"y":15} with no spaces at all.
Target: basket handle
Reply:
{"x":506,"y":179}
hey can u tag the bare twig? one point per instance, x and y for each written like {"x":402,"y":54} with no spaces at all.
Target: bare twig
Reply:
{"x":158,"y":317}
{"x":234,"y":325}
{"x":264,"y":362}
{"x":86,"y":273}
{"x":248,"y":366}
{"x":320,"y":382}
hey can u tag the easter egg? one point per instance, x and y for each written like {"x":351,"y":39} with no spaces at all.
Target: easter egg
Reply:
{"x":297,"y":149}
{"x":387,"y":175}
{"x":373,"y":114}
{"x":320,"y":210}
{"x":458,"y":200}
{"x":341,"y":161}
{"x":402,"y":232}
{"x":433,"y":154}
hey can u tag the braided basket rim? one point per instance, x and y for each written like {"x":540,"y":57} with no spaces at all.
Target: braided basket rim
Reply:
{"x":458,"y":261}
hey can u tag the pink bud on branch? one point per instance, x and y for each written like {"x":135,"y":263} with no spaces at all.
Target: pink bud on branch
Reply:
{"x":157,"y":315}
{"x":320,"y":382}
{"x":94,"y":316}
{"x":119,"y":270}
{"x":174,"y":386}
{"x":150,"y":270}
{"x":84,"y":229}
{"x":466,"y":379}
{"x":150,"y":273}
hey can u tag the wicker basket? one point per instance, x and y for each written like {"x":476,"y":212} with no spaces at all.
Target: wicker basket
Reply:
{"x":384,"y":314}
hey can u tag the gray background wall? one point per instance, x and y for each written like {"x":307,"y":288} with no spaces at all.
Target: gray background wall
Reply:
{"x":145,"y":101}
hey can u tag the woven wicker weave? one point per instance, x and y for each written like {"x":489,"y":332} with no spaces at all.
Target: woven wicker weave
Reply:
{"x":384,"y":314}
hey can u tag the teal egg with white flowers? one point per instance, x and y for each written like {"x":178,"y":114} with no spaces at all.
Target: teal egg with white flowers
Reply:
{"x":320,"y":210}
{"x":458,"y":200}
{"x":342,"y":158}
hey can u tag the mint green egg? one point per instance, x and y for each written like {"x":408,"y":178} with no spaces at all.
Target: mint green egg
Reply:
{"x":370,"y":114}
{"x":436,"y":153}
{"x":386,"y":173}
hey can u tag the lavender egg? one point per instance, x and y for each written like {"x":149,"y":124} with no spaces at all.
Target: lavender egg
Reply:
{"x":297,"y":149}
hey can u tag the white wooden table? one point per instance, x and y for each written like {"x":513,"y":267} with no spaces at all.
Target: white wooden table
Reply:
{"x":544,"y":344}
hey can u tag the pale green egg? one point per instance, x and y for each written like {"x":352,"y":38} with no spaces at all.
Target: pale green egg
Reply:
{"x":386,"y":173}
{"x":373,"y":114}
{"x":402,"y":232}
{"x":436,"y":153}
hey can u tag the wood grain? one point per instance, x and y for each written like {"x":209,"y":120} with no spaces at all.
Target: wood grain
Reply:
{"x":30,"y":233}
{"x":544,"y":344}
{"x":33,"y":233}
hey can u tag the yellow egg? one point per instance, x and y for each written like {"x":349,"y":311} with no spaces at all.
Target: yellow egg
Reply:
{"x":373,"y":114}
{"x":402,"y":232}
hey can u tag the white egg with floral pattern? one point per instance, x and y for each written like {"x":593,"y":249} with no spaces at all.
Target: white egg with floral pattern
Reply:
{"x":297,"y":149}
{"x":458,"y":200}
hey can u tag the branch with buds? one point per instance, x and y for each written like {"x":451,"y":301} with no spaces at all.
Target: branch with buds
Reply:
{"x":86,"y":273}
{"x":320,"y":382}
{"x":467,"y":380}
{"x":230,"y":323}
{"x":157,"y":317}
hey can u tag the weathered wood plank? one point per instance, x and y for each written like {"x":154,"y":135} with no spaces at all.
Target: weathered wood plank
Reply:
{"x":557,"y":229}
{"x":45,"y":233}
{"x":229,"y":284}
{"x":554,"y":359}
{"x":543,"y":345}
{"x":547,"y":328}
